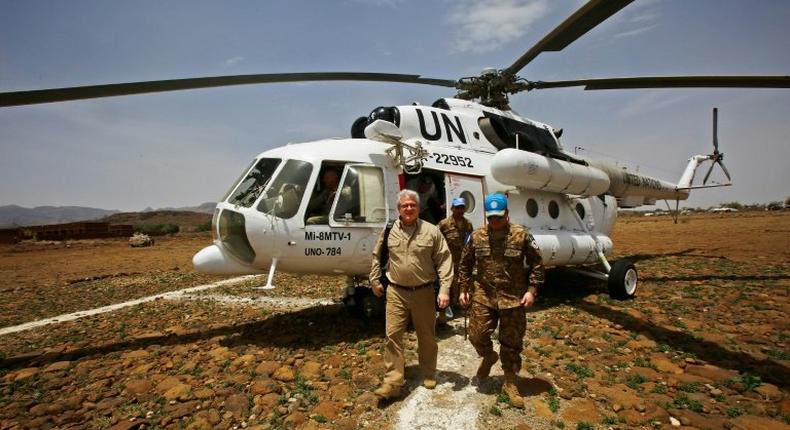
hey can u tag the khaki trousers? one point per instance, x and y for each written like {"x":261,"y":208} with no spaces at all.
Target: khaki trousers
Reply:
{"x":417,"y":306}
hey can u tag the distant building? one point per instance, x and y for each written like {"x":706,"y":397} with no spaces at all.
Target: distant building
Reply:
{"x":74,"y":230}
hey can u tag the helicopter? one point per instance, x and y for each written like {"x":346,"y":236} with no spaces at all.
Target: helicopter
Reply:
{"x":467,"y":146}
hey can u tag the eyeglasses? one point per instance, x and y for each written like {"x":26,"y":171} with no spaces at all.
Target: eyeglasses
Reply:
{"x":495,"y":218}
{"x":408,"y":205}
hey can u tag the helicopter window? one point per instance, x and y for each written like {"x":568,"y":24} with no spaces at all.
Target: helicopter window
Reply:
{"x":469,"y":199}
{"x":554,"y":209}
{"x":580,"y":210}
{"x":532,"y":208}
{"x":361,"y":196}
{"x":245,"y":191}
{"x":283,"y":197}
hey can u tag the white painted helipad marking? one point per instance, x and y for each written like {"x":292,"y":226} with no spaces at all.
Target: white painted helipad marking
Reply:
{"x":294,"y":302}
{"x":448,"y":406}
{"x":110,"y":308}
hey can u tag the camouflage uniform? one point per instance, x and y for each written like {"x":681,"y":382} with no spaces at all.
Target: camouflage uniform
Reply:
{"x":455,"y":232}
{"x":498,"y":287}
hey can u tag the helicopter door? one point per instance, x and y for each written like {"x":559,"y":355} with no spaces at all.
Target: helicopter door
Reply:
{"x":471,"y":189}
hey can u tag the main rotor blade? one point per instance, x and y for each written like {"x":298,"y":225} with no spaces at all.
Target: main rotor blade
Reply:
{"x":18,"y":98}
{"x":670,"y":82}
{"x":583,"y":20}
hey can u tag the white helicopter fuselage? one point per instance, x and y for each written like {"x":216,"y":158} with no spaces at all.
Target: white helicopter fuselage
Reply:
{"x":568,"y":205}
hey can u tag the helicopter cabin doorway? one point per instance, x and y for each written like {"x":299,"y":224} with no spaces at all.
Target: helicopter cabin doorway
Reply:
{"x":437,"y":190}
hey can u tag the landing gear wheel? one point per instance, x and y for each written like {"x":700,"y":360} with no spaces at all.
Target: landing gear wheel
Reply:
{"x":362,"y":302}
{"x":623,"y":280}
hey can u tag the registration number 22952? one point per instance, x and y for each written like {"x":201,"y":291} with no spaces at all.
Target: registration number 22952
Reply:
{"x":452,"y":160}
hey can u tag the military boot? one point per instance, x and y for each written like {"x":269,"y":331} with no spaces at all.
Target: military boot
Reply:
{"x":387,"y":391}
{"x":511,"y":390}
{"x":485,"y":366}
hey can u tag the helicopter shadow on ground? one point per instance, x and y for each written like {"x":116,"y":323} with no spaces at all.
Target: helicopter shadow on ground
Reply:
{"x":311,"y":328}
{"x":572,"y":289}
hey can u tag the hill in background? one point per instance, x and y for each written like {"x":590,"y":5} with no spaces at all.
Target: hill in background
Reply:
{"x":17,"y":216}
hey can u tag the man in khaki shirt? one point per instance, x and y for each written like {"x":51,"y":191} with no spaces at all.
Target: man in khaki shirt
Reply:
{"x":418,"y":255}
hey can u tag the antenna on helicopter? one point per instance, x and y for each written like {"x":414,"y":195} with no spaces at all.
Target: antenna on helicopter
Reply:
{"x":716,"y":157}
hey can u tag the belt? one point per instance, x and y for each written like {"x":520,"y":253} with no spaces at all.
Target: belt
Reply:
{"x":406,"y":287}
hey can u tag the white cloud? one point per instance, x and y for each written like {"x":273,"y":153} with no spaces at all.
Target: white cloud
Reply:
{"x":230,"y":62}
{"x":486,"y":25}
{"x":649,"y":102}
{"x":635,"y":31}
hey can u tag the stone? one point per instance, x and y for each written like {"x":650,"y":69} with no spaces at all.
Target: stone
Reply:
{"x":631,"y":417}
{"x":138,"y":387}
{"x":23,"y":373}
{"x":268,"y":401}
{"x":200,"y":423}
{"x":238,"y":405}
{"x":665,"y":365}
{"x":328,"y":408}
{"x":284,"y":373}
{"x":619,"y":393}
{"x":136,"y":354}
{"x":769,"y":392}
{"x":702,"y":421}
{"x":674,"y":421}
{"x":311,"y":370}
{"x":751,"y":422}
{"x":579,"y":410}
{"x":220,"y":353}
{"x":178,"y":392}
{"x":266,"y":368}
{"x":340,"y":391}
{"x":57,"y":366}
{"x":296,"y":419}
{"x":181,"y":409}
{"x":203,"y":393}
{"x":711,"y":372}
{"x":166,"y":384}
{"x":541,"y":408}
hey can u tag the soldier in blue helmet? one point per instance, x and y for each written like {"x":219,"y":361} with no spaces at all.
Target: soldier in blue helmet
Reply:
{"x":509,"y":272}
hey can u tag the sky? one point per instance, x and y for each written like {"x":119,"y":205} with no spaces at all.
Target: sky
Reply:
{"x":185,"y":148}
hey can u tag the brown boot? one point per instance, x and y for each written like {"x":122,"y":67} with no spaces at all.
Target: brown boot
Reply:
{"x":511,"y":390}
{"x":485,"y":366}
{"x":387,"y":391}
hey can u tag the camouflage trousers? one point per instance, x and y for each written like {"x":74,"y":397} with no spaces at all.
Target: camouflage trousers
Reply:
{"x":512,"y":327}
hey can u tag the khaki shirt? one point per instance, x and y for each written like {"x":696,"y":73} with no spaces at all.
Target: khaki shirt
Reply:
{"x":500,"y":258}
{"x":455,"y":232}
{"x":417,"y":256}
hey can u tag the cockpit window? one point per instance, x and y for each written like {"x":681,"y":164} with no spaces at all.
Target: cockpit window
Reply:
{"x":246,"y":190}
{"x":283,"y":196}
{"x":361,"y":197}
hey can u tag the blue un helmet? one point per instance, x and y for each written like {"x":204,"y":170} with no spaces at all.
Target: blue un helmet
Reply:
{"x":459,"y":201}
{"x":495,"y":205}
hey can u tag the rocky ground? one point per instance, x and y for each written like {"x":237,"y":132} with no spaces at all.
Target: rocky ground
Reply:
{"x":704,"y":345}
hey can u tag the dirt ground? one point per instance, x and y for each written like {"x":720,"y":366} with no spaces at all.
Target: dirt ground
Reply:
{"x":704,"y":344}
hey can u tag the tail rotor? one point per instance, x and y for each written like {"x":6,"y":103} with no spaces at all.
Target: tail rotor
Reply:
{"x":717,"y":157}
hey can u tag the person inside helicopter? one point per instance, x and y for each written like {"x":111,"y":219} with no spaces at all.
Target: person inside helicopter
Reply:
{"x":321,"y":201}
{"x":432,"y":207}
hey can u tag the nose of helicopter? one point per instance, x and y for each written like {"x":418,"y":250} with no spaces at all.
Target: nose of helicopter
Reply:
{"x":214,"y":260}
